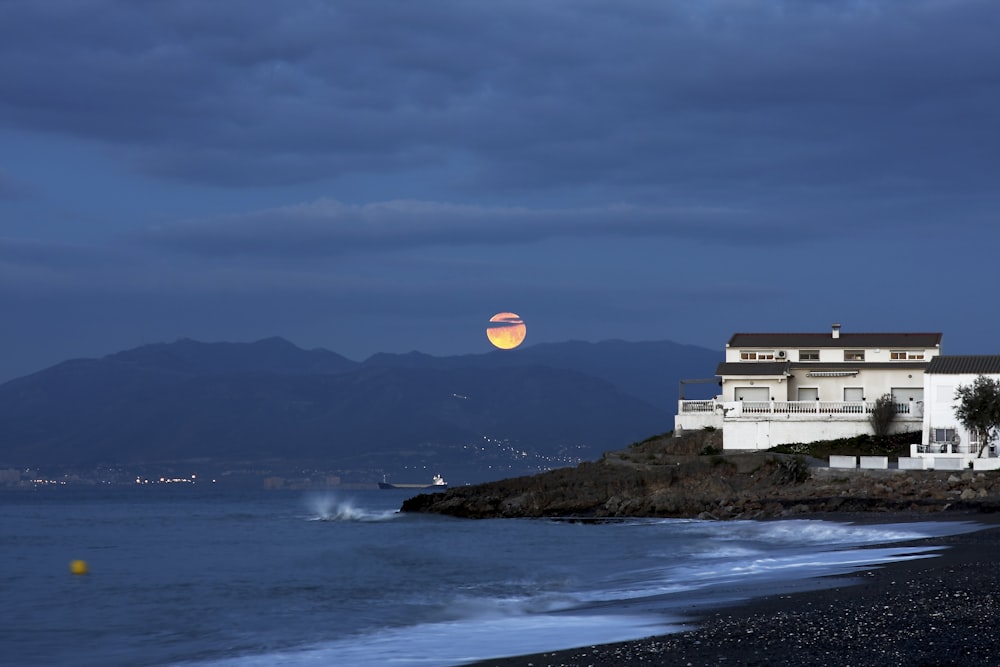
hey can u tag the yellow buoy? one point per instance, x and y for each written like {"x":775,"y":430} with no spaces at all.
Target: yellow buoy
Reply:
{"x":79,"y":567}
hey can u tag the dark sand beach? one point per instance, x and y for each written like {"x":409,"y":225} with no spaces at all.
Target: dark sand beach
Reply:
{"x":942,"y":610}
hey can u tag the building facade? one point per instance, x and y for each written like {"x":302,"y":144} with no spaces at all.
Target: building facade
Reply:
{"x":783,"y":388}
{"x":942,"y":435}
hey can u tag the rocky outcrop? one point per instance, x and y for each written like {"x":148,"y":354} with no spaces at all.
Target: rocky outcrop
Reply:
{"x":687,"y":477}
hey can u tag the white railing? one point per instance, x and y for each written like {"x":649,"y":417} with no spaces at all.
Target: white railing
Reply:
{"x":953,"y":448}
{"x":739,"y":408}
{"x":698,"y":406}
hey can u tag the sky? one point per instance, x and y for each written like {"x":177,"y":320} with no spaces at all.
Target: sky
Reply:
{"x":383,"y":176}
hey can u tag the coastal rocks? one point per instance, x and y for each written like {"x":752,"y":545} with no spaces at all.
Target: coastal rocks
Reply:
{"x":689,"y":477}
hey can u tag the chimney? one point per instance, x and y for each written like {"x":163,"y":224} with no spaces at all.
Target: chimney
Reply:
{"x":836,"y":331}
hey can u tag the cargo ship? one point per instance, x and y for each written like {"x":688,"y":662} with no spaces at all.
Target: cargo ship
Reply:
{"x":437,"y":483}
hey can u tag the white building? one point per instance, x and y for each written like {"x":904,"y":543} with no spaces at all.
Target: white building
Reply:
{"x":782,"y":388}
{"x":943,"y":437}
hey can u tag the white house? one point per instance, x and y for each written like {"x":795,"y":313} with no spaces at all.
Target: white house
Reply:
{"x":943,"y":438}
{"x":782,"y":388}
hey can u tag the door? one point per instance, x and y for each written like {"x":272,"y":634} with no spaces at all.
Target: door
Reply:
{"x":763,"y":439}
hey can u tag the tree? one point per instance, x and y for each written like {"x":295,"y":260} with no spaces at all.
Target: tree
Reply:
{"x":882,"y":414}
{"x":979,"y":409}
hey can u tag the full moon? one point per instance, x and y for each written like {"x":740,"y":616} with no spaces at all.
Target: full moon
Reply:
{"x":506,"y":330}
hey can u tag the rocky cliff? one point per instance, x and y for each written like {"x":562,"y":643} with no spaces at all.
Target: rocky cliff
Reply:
{"x":688,"y":477}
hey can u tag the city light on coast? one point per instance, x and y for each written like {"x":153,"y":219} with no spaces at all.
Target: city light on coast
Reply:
{"x":168,"y":480}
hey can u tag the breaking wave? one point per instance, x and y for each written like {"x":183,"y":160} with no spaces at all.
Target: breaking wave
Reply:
{"x":329,"y":507}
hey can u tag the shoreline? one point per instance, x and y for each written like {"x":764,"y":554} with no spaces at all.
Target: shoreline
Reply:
{"x":937,"y":610}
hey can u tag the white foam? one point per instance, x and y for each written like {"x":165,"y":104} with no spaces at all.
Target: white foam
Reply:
{"x":330,"y":507}
{"x":460,"y":642}
{"x":818,"y":532}
{"x":722,"y":561}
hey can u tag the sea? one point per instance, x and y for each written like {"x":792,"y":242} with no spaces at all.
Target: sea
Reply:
{"x":196,"y":576}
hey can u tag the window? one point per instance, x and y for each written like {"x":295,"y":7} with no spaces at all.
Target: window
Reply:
{"x":809,"y":355}
{"x":854,"y":394}
{"x":756,"y":355}
{"x":904,"y":355}
{"x":943,"y":434}
{"x":854,"y":355}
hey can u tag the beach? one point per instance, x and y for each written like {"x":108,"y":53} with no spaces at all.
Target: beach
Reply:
{"x":929,"y":611}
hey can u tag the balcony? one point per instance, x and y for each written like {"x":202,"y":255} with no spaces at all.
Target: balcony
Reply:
{"x":803,"y":410}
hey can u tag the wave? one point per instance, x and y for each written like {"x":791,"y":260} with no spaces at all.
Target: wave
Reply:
{"x":828,"y":533}
{"x":816,"y":531}
{"x":329,"y":507}
{"x":460,"y":629}
{"x":653,"y":577}
{"x":460,"y":642}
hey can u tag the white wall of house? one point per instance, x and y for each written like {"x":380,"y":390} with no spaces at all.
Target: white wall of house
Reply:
{"x":764,"y":434}
{"x":825,"y":390}
{"x":830,"y":355}
{"x":940,"y":404}
{"x":904,"y":385}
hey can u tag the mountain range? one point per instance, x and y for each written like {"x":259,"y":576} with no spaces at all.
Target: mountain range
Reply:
{"x":487,"y":414}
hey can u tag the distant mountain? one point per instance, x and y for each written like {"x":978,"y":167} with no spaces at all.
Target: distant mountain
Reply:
{"x":271,"y":400}
{"x":271,"y":356}
{"x":650,"y":371}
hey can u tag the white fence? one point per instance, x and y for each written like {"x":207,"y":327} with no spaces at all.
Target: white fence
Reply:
{"x":846,"y":408}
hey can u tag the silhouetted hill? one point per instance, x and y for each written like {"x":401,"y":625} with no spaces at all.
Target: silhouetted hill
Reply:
{"x":269,"y":356}
{"x":650,"y":371}
{"x":272,"y":400}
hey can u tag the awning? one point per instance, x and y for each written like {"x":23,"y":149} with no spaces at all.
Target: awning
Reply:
{"x":830,"y":374}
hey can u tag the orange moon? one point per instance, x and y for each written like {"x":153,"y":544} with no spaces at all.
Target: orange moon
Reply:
{"x":506,"y":330}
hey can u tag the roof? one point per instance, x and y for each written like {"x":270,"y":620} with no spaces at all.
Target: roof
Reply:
{"x":978,"y":364}
{"x":752,"y":368}
{"x":846,"y":340}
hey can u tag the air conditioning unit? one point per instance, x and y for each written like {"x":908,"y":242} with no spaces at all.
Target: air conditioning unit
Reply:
{"x":780,"y":354}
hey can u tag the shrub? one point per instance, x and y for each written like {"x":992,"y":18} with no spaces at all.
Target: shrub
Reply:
{"x":882,"y":414}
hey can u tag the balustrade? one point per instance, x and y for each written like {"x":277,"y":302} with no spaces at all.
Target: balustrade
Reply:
{"x":736,"y":408}
{"x":698,"y":406}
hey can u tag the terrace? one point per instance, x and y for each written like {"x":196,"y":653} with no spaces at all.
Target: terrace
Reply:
{"x":805,"y":410}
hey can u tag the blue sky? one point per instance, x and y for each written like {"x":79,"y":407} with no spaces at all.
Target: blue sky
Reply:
{"x":385,"y":176}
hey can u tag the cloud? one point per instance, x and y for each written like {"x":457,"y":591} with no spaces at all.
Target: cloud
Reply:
{"x":327,"y":227}
{"x":724,"y":98}
{"x":25,"y":252}
{"x":11,"y":189}
{"x":30,"y":267}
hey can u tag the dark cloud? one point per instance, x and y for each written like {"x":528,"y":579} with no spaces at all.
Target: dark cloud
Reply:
{"x":328,"y":227}
{"x":28,"y":252}
{"x":11,"y":188}
{"x":28,"y":268}
{"x":604,"y":168}
{"x":720,"y":99}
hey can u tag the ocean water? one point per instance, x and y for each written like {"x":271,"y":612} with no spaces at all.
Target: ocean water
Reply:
{"x":197,"y":577}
